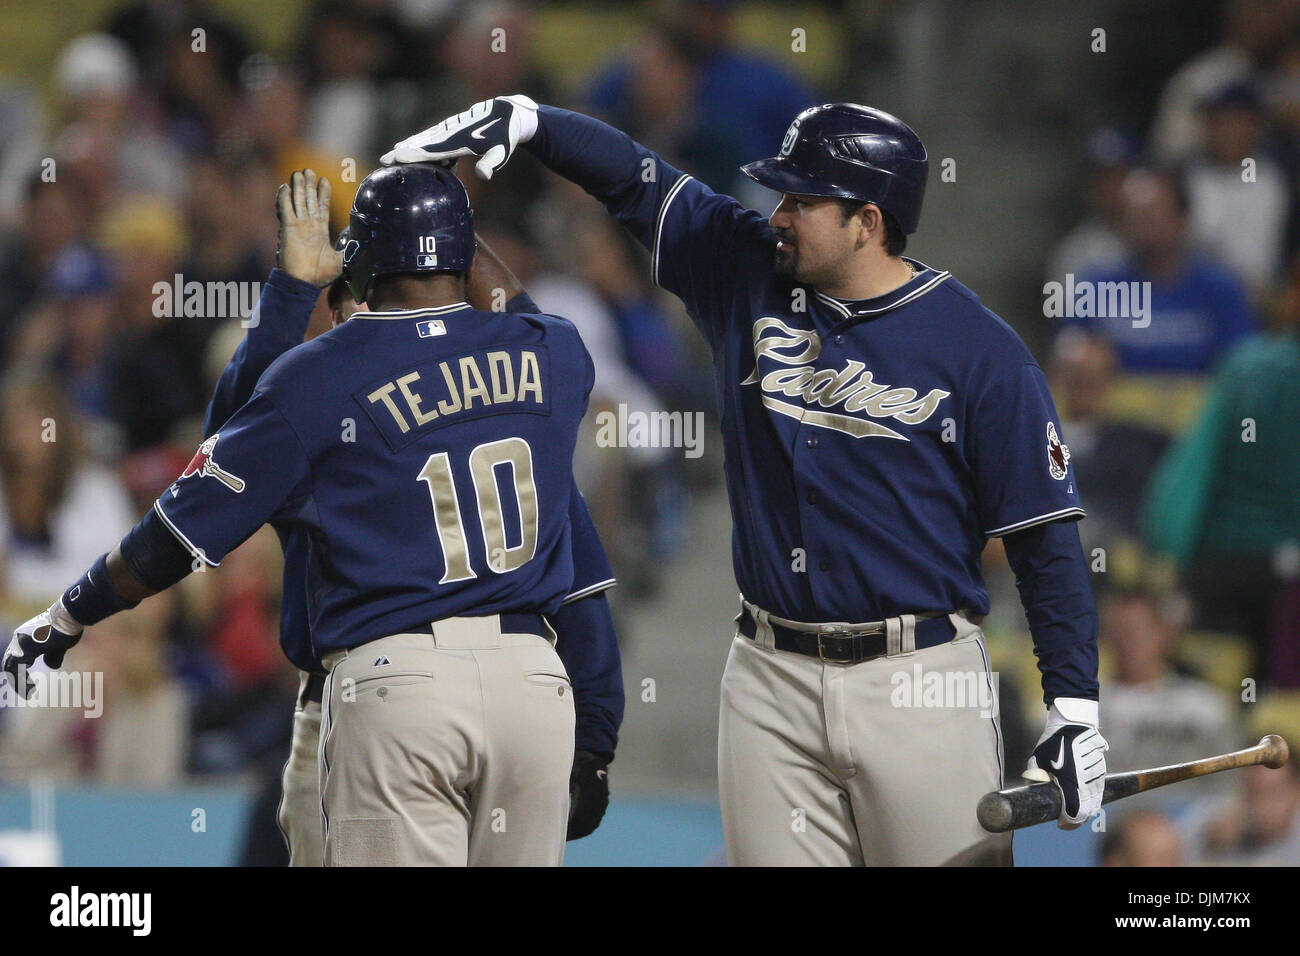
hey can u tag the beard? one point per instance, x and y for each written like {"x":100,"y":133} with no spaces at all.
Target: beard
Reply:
{"x":785,"y":264}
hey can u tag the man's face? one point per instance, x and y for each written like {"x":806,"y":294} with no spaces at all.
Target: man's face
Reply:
{"x":1152,"y":221}
{"x":816,"y":244}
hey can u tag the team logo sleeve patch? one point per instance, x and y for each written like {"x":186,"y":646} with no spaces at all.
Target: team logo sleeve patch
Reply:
{"x":1058,"y":454}
{"x":205,"y":466}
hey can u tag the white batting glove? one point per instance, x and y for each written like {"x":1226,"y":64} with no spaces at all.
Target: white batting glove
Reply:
{"x":1072,"y":754}
{"x":49,"y":635}
{"x":491,"y":130}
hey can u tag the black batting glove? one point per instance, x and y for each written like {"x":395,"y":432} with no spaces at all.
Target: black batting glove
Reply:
{"x":588,"y":793}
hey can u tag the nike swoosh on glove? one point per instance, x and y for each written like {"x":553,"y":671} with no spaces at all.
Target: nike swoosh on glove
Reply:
{"x":588,"y":793}
{"x":491,"y":130}
{"x":1072,"y":753}
{"x":49,"y":635}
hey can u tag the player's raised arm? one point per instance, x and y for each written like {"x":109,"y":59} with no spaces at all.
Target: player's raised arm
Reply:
{"x":306,"y":262}
{"x":695,"y":236}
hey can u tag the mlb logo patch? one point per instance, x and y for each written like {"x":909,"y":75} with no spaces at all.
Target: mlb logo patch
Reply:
{"x":426,"y":261}
{"x":428,"y":328}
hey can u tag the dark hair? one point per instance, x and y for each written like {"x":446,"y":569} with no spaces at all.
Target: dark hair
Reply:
{"x":895,"y":238}
{"x":334,"y":295}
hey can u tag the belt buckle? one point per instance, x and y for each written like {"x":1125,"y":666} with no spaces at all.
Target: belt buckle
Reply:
{"x":821,"y":649}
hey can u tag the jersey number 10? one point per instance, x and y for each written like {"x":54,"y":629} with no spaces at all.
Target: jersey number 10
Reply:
{"x":483,"y":462}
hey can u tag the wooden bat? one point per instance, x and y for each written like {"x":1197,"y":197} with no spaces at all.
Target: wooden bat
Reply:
{"x":1034,"y":803}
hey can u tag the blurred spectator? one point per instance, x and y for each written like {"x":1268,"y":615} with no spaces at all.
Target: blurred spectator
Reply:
{"x":52,"y":220}
{"x":276,"y":110}
{"x":1239,"y":215}
{"x":1154,"y":715}
{"x":191,"y":58}
{"x":106,"y":131}
{"x":58,"y":507}
{"x":155,"y":368}
{"x":661,"y":108}
{"x":1260,"y":828}
{"x":1112,"y":460}
{"x":1095,"y":243}
{"x":1253,"y":33}
{"x":350,"y":49}
{"x":744,"y":99}
{"x":1222,"y":503}
{"x":69,"y":331}
{"x":1197,"y":308}
{"x":231,"y":250}
{"x":1142,"y":838}
{"x":143,"y":736}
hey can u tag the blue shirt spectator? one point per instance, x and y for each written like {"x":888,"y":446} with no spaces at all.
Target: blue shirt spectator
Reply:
{"x":1195,"y":318}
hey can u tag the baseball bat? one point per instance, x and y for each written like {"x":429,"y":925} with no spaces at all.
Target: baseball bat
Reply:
{"x":1034,"y":803}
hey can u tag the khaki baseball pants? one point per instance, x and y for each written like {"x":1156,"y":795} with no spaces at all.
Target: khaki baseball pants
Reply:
{"x":448,"y":749}
{"x":300,"y":815}
{"x":879,"y":763}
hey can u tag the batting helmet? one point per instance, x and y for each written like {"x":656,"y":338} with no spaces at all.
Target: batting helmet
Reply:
{"x":853,"y":152}
{"x":409,"y":218}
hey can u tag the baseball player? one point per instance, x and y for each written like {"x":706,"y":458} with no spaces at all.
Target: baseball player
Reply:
{"x":308,"y":262}
{"x":423,"y":451}
{"x":880,"y":426}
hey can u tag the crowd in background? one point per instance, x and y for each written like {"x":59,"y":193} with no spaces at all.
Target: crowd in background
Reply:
{"x":153,"y":163}
{"x":1182,"y":413}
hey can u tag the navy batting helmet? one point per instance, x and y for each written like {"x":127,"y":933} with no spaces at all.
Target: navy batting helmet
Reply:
{"x":409,"y":218}
{"x":852,"y":152}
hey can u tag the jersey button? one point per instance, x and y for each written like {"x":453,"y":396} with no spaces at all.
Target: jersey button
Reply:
{"x":811,"y":442}
{"x":839,"y":340}
{"x":823,"y":565}
{"x":811,"y":497}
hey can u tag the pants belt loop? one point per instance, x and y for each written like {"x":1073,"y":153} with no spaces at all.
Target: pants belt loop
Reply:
{"x":764,"y":636}
{"x":908,"y":634}
{"x":900,"y":635}
{"x":893,"y":637}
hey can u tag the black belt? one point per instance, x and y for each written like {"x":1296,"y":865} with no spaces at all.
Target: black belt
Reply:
{"x":529,"y":623}
{"x":846,"y":647}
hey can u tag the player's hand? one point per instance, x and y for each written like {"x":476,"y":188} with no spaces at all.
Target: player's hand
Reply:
{"x":49,"y":634}
{"x":1072,"y":753}
{"x":491,"y":130}
{"x":303,"y":208}
{"x":588,"y":793}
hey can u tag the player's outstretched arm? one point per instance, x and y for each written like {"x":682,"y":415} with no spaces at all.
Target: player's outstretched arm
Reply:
{"x":306,"y":261}
{"x":116,"y":582}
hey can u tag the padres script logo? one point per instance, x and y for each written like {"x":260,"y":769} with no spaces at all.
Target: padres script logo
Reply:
{"x":853,"y":388}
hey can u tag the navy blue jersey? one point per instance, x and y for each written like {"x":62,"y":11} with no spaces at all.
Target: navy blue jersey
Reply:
{"x":871,"y":447}
{"x":427,"y":457}
{"x":281,"y":319}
